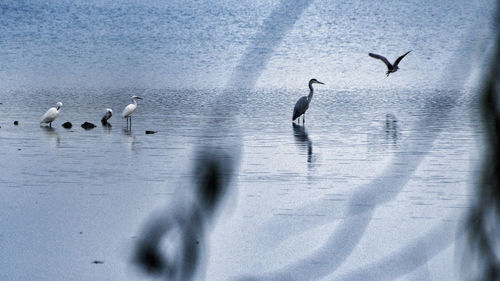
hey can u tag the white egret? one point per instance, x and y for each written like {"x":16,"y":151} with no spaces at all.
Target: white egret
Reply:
{"x":107,"y":115}
{"x":303,"y":103}
{"x":129,"y":109}
{"x":51,"y":114}
{"x":390,"y":67}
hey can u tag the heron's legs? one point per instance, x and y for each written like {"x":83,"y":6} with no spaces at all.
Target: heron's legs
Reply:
{"x":304,"y":118}
{"x":50,"y":124}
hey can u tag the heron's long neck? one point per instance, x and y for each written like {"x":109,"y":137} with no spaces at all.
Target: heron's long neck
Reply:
{"x":135,"y":102}
{"x":311,"y":91}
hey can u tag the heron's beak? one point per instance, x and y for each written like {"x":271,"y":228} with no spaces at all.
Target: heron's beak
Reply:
{"x":321,"y":83}
{"x":139,"y":98}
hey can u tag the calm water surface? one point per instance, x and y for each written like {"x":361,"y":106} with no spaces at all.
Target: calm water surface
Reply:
{"x":86,"y":193}
{"x":373,"y":187}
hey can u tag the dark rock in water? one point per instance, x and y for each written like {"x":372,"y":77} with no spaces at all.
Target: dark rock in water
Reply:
{"x":67,"y":125}
{"x":150,"y":132}
{"x":16,"y":123}
{"x":88,"y":126}
{"x":97,"y":262}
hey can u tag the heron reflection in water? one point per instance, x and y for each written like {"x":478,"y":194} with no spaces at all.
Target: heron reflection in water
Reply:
{"x":302,"y":139}
{"x":130,"y":138}
{"x":391,"y":128}
{"x":52,"y":134}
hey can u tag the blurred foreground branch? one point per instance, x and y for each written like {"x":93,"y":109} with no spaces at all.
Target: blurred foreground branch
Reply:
{"x":484,"y":217}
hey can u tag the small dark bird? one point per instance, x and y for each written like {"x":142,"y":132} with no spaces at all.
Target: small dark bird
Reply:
{"x":107,"y":115}
{"x":390,"y":67}
{"x":303,"y":103}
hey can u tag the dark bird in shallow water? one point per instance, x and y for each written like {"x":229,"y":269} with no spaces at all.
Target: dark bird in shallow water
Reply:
{"x":107,"y":115}
{"x":303,"y":103}
{"x":390,"y":67}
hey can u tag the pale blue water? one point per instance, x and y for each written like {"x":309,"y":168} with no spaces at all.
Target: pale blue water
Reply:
{"x":381,"y":162}
{"x":197,"y":44}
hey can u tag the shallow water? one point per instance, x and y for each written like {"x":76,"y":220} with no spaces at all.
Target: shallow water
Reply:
{"x":72,"y":196}
{"x":197,"y":44}
{"x":374,"y":186}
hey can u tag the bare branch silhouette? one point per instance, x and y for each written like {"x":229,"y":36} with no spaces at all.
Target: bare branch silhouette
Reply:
{"x":217,"y":157}
{"x":484,"y":217}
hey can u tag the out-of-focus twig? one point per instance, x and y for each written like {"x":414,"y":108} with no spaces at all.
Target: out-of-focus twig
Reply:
{"x":484,"y":217}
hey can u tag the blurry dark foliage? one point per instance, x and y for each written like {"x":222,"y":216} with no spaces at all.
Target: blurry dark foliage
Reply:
{"x":484,"y":217}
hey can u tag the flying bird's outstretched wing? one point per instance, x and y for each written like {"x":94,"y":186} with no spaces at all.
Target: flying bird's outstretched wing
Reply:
{"x":400,"y":58}
{"x":382,"y":58}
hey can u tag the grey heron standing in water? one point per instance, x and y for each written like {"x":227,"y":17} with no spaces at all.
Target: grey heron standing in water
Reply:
{"x":390,"y":67}
{"x":51,"y":114}
{"x":303,"y":103}
{"x":129,"y":109}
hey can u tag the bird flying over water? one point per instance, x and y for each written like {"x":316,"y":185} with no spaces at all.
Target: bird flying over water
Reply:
{"x":51,"y":114}
{"x":390,"y":67}
{"x":303,"y":103}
